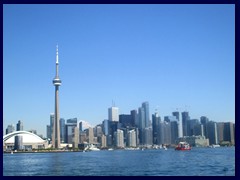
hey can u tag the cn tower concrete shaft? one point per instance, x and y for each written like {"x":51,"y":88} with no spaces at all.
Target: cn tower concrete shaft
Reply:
{"x":56,"y":129}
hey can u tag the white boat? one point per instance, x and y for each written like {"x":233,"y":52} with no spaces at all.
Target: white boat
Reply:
{"x":93,"y":148}
{"x":215,"y":146}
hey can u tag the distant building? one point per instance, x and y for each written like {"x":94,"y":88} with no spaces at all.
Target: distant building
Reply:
{"x":126,"y":120}
{"x":229,"y":132}
{"x":49,"y":134}
{"x":103,"y":141}
{"x":62,"y":130}
{"x":167,"y":133}
{"x":113,"y":114}
{"x":185,"y":118}
{"x":75,"y":137}
{"x":131,"y":138}
{"x":174,"y":131}
{"x":119,"y":138}
{"x":180,"y":127}
{"x":204,"y":120}
{"x":198,"y":130}
{"x":90,"y":135}
{"x":134,"y":117}
{"x":212,"y":132}
{"x":69,"y":132}
{"x":52,"y":118}
{"x":106,"y":127}
{"x":82,"y":137}
{"x":99,"y":131}
{"x":147,"y":136}
{"x":156,"y":119}
{"x":190,"y":126}
{"x":10,"y":129}
{"x":72,"y":121}
{"x":220,"y":131}
{"x":141,"y":117}
{"x":145,"y":106}
{"x":80,"y":126}
{"x":20,"y":126}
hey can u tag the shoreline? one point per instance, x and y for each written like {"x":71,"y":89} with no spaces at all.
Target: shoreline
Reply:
{"x":56,"y":151}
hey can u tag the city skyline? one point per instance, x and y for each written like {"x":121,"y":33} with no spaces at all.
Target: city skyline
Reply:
{"x":126,"y":53}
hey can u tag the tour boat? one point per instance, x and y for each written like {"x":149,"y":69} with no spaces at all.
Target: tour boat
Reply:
{"x":183,"y":146}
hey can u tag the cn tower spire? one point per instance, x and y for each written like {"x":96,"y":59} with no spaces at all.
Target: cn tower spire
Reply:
{"x":56,"y":129}
{"x":57,"y":54}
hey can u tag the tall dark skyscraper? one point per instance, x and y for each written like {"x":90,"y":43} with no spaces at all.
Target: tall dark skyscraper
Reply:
{"x":145,"y":106}
{"x":51,"y":124}
{"x":62,"y":129}
{"x":20,"y":126}
{"x":156,"y":119}
{"x":204,"y":120}
{"x":56,"y":128}
{"x":180,"y":127}
{"x":185,"y":119}
{"x":134,"y":117}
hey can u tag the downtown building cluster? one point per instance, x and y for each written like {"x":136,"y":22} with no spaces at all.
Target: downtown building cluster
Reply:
{"x":138,"y":130}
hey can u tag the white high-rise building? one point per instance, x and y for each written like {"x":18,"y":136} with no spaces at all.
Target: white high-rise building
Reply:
{"x":113,"y":114}
{"x":132,"y":141}
{"x":119,"y":138}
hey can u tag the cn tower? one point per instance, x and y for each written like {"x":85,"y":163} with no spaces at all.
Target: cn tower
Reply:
{"x":56,"y":129}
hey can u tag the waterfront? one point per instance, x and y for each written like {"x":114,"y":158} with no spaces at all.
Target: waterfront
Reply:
{"x":198,"y":161}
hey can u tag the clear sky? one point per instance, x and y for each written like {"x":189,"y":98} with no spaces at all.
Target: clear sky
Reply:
{"x":173,"y":56}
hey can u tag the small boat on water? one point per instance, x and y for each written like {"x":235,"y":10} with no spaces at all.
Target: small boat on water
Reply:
{"x":182,"y":146}
{"x":215,"y":146}
{"x":93,"y":148}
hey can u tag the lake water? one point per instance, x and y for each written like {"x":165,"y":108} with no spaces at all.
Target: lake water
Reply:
{"x":198,"y":161}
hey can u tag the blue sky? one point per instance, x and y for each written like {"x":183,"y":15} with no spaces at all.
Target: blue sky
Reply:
{"x":173,"y":56}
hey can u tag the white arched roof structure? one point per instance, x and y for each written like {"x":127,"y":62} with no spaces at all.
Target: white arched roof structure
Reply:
{"x":27,"y":137}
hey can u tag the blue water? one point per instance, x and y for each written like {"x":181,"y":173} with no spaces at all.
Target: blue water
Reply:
{"x":198,"y":161}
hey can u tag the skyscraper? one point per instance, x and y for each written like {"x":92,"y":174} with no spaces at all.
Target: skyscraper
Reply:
{"x":62,"y":129}
{"x":229,"y":132}
{"x":131,"y":138}
{"x":69,"y":130}
{"x":49,"y":132}
{"x":156,"y":119}
{"x":141,"y":120}
{"x":180,"y":127}
{"x":212,"y":132}
{"x":90,"y":135}
{"x":204,"y":120}
{"x":10,"y":129}
{"x":19,"y":126}
{"x":185,"y":119}
{"x":145,"y":106}
{"x":56,"y":129}
{"x":113,"y":114}
{"x":119,"y":138}
{"x":134,"y":117}
{"x":51,"y":124}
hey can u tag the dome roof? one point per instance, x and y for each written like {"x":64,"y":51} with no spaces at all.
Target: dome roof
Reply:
{"x":26,"y":136}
